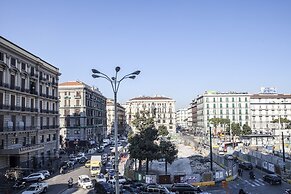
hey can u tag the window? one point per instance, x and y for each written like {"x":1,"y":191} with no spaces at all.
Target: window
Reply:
{"x":239,"y":105}
{"x":226,"y":105}
{"x":220,"y":105}
{"x":207,"y":105}
{"x":208,"y":112}
{"x":226,"y":99}
{"x":1,"y":56}
{"x":221,"y":112}
{"x":214,"y":106}
{"x":246,"y":99}
{"x":23,"y":66}
{"x":246,"y":105}
{"x":239,"y":99}
{"x":213,"y":99}
{"x":232,"y":99}
{"x":13,"y":61}
{"x":232,"y":105}
{"x":220,"y":99}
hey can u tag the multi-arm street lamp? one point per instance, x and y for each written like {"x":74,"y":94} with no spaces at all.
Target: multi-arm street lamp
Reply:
{"x":115,"y":86}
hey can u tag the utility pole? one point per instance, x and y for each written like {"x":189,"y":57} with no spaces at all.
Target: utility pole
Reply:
{"x":211,"y":165}
{"x":283,"y":149}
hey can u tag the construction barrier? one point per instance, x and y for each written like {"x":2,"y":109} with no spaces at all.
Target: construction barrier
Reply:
{"x":201,"y":184}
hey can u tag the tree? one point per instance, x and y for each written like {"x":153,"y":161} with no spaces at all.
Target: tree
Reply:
{"x":169,"y":152}
{"x":282,"y":121}
{"x":143,"y":144}
{"x":246,"y":130}
{"x":143,"y":120}
{"x":162,"y":130}
{"x":235,"y":127}
{"x":215,"y":122}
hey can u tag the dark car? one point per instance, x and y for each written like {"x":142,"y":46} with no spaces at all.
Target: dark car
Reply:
{"x":272,"y":179}
{"x":184,"y":188}
{"x":246,"y":166}
{"x":103,"y":188}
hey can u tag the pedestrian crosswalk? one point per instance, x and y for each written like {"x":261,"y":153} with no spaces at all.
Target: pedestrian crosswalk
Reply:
{"x":255,"y":182}
{"x":242,"y":183}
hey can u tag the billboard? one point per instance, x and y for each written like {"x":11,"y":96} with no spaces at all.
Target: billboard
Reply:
{"x":268,"y":90}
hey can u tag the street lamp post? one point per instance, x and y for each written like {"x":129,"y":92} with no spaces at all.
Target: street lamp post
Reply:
{"x":210,"y":144}
{"x":115,"y":86}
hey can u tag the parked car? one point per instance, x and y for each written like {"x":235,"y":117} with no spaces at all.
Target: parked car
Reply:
{"x":272,"y":179}
{"x":85,"y":182}
{"x":46,"y":173}
{"x":245,"y":165}
{"x":184,"y":187}
{"x":104,"y":188}
{"x":34,"y":177}
{"x":36,"y":188}
{"x":87,"y":164}
{"x":83,"y":160}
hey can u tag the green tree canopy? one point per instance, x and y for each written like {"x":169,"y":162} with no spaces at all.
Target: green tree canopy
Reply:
{"x":246,"y":130}
{"x":162,"y":131}
{"x":143,"y":120}
{"x":236,"y":130}
{"x":168,"y":151}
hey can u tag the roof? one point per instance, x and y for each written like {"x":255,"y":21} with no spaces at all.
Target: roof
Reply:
{"x":270,"y":96}
{"x":71,"y":83}
{"x":151,"y":98}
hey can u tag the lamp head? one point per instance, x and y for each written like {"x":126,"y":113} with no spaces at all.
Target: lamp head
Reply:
{"x":136,"y":72}
{"x":117,"y":69}
{"x":113,"y":78}
{"x":132,"y":77}
{"x":95,"y":76}
{"x":95,"y":71}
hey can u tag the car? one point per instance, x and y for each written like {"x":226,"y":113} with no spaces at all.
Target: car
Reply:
{"x":104,"y":188}
{"x":228,"y":157}
{"x":184,"y":187}
{"x":83,"y":160}
{"x":85,"y":182}
{"x":104,"y":156}
{"x":272,"y":179}
{"x":36,"y":188}
{"x":79,"y":156}
{"x":287,"y":191}
{"x":245,"y":165}
{"x":100,"y":178}
{"x":46,"y":173}
{"x":34,"y":177}
{"x":87,"y":164}
{"x":160,"y":189}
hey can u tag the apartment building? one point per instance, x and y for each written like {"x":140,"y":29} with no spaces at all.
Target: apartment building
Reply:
{"x":182,"y":118}
{"x":234,"y":106}
{"x":265,"y":108}
{"x":121,"y":118}
{"x":29,"y":120}
{"x":159,"y":107}
{"x":82,"y":114}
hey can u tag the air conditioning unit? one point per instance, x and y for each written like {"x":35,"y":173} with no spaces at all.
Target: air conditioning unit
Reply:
{"x":10,"y":124}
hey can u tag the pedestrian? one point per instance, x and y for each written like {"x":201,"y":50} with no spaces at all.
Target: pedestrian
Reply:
{"x":239,"y":172}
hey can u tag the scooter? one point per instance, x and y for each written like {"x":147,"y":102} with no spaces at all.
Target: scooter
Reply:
{"x":70,"y":184}
{"x":19,"y":185}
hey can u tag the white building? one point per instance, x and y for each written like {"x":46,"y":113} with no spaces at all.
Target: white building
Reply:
{"x":121,"y":119}
{"x":267,"y":107}
{"x":161,"y":108}
{"x":29,"y":117}
{"x":234,"y":106}
{"x":82,"y":114}
{"x":182,"y":118}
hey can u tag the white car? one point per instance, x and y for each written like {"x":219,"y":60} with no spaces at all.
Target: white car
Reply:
{"x":85,"y":182}
{"x":34,"y":177}
{"x":100,"y":178}
{"x":45,"y":173}
{"x":36,"y":188}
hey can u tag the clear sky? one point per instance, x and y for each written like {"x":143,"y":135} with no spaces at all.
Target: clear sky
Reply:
{"x":182,"y":48}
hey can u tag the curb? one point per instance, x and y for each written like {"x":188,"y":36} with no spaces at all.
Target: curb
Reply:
{"x":201,"y":184}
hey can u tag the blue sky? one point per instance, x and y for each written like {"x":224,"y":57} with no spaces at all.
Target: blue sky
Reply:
{"x":182,"y":48}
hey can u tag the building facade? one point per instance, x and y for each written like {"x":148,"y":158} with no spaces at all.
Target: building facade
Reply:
{"x":161,"y":108}
{"x":120,"y":117}
{"x":82,"y":115}
{"x":182,"y":118}
{"x":265,"y":108}
{"x":234,"y":106}
{"x":29,"y":117}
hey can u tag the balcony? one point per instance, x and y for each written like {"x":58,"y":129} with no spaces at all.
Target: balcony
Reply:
{"x":20,"y":149}
{"x":77,"y":96}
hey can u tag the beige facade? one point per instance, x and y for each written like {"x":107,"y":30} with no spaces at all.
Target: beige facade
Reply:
{"x":82,"y":114}
{"x":110,"y":117}
{"x":267,"y":107}
{"x":29,"y":117}
{"x":161,"y":108}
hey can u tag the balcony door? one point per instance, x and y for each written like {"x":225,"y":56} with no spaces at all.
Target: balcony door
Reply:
{"x":12,"y":102}
{"x":1,"y":123}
